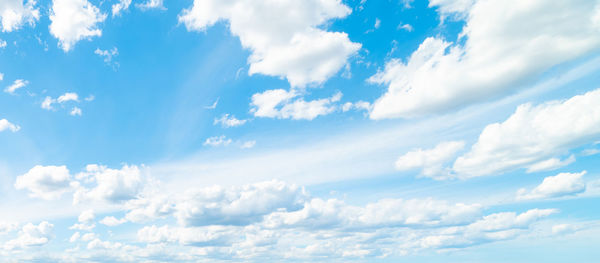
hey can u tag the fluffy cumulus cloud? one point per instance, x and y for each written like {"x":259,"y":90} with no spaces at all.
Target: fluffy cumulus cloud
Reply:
{"x":15,"y":13}
{"x":555,"y":186}
{"x":333,"y":213}
{"x":280,"y":221}
{"x":31,"y":235}
{"x":74,"y":20}
{"x":431,"y":161}
{"x":285,"y":37}
{"x":5,"y":125}
{"x":46,"y":182}
{"x":99,"y":183}
{"x":238,"y":205}
{"x":534,"y":135}
{"x":506,"y":43}
{"x":85,"y":221}
{"x":284,"y":104}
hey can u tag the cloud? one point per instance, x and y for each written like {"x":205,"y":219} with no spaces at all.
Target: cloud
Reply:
{"x":112,"y":221}
{"x":13,"y":14}
{"x":286,"y":38}
{"x":431,"y":161}
{"x":213,"y":106}
{"x":217,"y":141}
{"x":406,"y":27}
{"x":151,"y":4}
{"x":148,"y":208}
{"x":6,"y":125}
{"x":562,"y":229}
{"x":86,"y":221}
{"x":494,"y":227}
{"x":17,"y":84}
{"x":359,"y":105}
{"x":550,"y":164}
{"x":62,"y":99}
{"x":2,"y":45}
{"x":248,"y":144}
{"x":108,"y":56}
{"x":500,"y":54}
{"x":333,"y":213}
{"x":280,"y":104}
{"x":194,"y":236}
{"x":76,"y":111}
{"x":118,"y":7}
{"x":559,"y":185}
{"x":237,"y":205}
{"x":31,"y":235}
{"x":100,"y":183}
{"x":69,"y":96}
{"x":74,"y":20}
{"x":532,"y":136}
{"x":45,"y":182}
{"x":228,"y":121}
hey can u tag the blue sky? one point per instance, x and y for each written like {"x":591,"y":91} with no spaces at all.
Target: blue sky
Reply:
{"x":302,"y":131}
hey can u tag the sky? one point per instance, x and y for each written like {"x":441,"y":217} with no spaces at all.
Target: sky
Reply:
{"x":299,"y":131}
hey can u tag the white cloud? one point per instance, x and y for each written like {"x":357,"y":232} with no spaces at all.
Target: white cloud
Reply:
{"x":406,"y":27}
{"x":550,"y":164}
{"x":15,"y":13}
{"x":86,"y":221}
{"x":74,"y":20}
{"x":359,"y":105}
{"x":46,"y":182}
{"x":17,"y":84}
{"x":31,"y":235}
{"x":112,"y":221}
{"x":204,"y":236}
{"x":47,"y":103}
{"x":500,"y":54}
{"x":118,"y":7}
{"x":213,"y":106}
{"x":228,"y":121}
{"x":237,"y":205}
{"x":6,"y":227}
{"x":555,"y":186}
{"x":217,"y":141}
{"x":279,"y":103}
{"x":285,"y":38}
{"x":562,"y":229}
{"x":76,"y":111}
{"x":333,"y":213}
{"x":533,"y":134}
{"x":151,"y":4}
{"x":74,"y":237}
{"x":6,"y":125}
{"x":99,"y":244}
{"x":108,"y":56}
{"x":431,"y":161}
{"x":2,"y":45}
{"x":148,"y":208}
{"x":109,"y":185}
{"x":248,"y":144}
{"x":69,"y":96}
